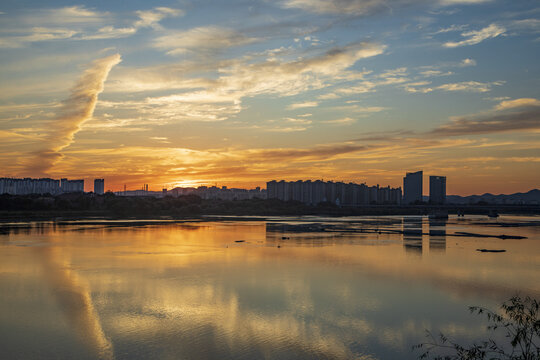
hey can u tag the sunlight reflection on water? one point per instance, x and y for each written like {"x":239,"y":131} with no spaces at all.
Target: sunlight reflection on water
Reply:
{"x":363,"y":287}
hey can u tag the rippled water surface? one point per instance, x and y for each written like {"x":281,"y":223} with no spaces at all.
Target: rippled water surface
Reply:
{"x":285,"y":288}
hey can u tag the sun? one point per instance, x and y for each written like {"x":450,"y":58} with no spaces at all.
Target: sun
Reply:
{"x":186,"y":184}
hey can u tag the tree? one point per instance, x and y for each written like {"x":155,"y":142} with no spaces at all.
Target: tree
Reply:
{"x":519,"y":321}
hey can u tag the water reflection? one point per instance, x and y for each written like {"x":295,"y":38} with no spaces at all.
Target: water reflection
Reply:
{"x":437,"y":235}
{"x":412,"y":235}
{"x":335,"y":288}
{"x":73,"y":298}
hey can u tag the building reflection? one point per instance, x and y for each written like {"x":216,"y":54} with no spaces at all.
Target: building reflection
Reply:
{"x":412,"y":235}
{"x":437,"y":235}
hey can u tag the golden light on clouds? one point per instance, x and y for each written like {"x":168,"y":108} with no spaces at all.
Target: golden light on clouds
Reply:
{"x":338,"y":91}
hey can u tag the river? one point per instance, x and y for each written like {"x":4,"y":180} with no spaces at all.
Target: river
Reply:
{"x":279,"y":288}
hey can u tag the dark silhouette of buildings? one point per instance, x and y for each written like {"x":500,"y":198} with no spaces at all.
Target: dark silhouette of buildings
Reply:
{"x":437,"y":189}
{"x":27,"y":186}
{"x":71,"y":185}
{"x":339,"y":193}
{"x":412,"y":187}
{"x":204,"y":192}
{"x":99,"y":186}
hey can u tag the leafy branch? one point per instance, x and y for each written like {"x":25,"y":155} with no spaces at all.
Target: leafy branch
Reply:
{"x":518,"y":320}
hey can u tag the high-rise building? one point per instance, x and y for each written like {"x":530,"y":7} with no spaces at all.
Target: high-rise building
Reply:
{"x":412,"y":187}
{"x":339,"y":193}
{"x":68,"y":186}
{"x":437,"y":189}
{"x":271,"y":189}
{"x":99,"y":186}
{"x":26,"y":186}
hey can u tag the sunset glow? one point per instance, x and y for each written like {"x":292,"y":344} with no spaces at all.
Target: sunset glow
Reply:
{"x":190,"y":93}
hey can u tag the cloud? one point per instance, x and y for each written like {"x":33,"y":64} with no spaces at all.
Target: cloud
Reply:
{"x":306,"y":104}
{"x":524,"y":115}
{"x":467,"y":62}
{"x":75,"y":110}
{"x":245,"y":77}
{"x":462,"y":2}
{"x":511,"y":104}
{"x":477,"y":36}
{"x":151,"y":18}
{"x":147,"y":18}
{"x":532,"y":25}
{"x":328,"y":96}
{"x":450,"y":64}
{"x":287,"y":129}
{"x":160,"y":139}
{"x":37,"y":34}
{"x":342,"y":121}
{"x":367,"y":109}
{"x":414,"y":87}
{"x":450,"y":29}
{"x":110,"y":32}
{"x":317,"y":153}
{"x":301,"y":121}
{"x":364,"y":7}
{"x":201,"y":39}
{"x":351,"y":7}
{"x":238,"y":79}
{"x":464,"y":86}
{"x":217,"y":99}
{"x":81,"y":20}
{"x":469,"y":86}
{"x":70,"y":15}
{"x":433,"y":73}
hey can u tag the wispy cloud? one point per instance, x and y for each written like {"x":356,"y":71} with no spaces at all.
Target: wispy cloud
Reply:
{"x":433,"y":73}
{"x":37,"y":34}
{"x":79,"y":23}
{"x":508,"y":116}
{"x":467,"y":62}
{"x":517,"y":103}
{"x":306,"y":104}
{"x":221,"y":97}
{"x":469,"y":86}
{"x":531,"y":25}
{"x":110,"y":32}
{"x":351,"y":7}
{"x":365,"y":7}
{"x":151,"y":18}
{"x":287,"y":129}
{"x":463,"y":2}
{"x":477,"y":36}
{"x":69,"y":15}
{"x":302,"y":121}
{"x":464,"y":86}
{"x":450,"y":29}
{"x":147,"y":19}
{"x":342,"y":121}
{"x":75,"y":110}
{"x":201,"y":40}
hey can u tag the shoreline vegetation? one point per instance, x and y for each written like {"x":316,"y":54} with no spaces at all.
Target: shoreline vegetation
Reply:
{"x":517,"y":323}
{"x":88,"y":205}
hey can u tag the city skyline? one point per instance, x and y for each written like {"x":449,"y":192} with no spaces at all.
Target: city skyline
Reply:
{"x":185,"y":93}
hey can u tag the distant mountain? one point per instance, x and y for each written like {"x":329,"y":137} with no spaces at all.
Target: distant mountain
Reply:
{"x":531,"y":197}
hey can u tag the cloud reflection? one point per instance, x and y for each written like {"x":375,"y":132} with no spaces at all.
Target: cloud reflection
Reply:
{"x":73,"y":297}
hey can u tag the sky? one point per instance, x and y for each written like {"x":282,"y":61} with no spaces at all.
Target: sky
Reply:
{"x":237,"y":93}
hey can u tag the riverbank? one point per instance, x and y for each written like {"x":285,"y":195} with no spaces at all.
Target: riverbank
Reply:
{"x":79,"y":206}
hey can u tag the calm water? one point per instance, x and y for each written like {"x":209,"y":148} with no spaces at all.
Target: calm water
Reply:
{"x":294,"y":288}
